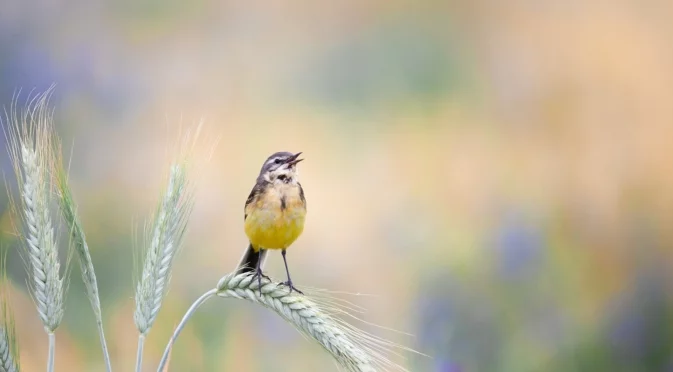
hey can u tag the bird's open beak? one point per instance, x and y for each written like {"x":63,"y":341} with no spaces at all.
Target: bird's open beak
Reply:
{"x":293,"y":159}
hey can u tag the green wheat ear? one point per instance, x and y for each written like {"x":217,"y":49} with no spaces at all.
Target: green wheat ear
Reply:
{"x":167,"y":232}
{"x":31,"y":148}
{"x":78,"y":239}
{"x":353,"y":349}
{"x":9,"y":347}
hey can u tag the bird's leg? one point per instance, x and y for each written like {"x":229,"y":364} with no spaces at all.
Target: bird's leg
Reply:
{"x":258,"y":272}
{"x":289,"y":280}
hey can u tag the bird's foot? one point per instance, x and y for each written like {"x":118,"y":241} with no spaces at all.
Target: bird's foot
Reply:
{"x":259,"y":275}
{"x":291,"y":286}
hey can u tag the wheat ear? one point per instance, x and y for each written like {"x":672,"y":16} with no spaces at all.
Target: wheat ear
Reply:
{"x":7,"y":356}
{"x":9,"y":352}
{"x":69,"y":213}
{"x":47,"y":286}
{"x":168,"y":229}
{"x":351,"y":348}
{"x":303,"y":314}
{"x":32,"y":153}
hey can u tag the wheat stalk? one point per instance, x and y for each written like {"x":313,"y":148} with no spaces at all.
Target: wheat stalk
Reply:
{"x":163,"y":364}
{"x":168,"y":229}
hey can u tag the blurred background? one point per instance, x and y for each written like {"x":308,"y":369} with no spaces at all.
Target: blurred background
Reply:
{"x":497,"y":175}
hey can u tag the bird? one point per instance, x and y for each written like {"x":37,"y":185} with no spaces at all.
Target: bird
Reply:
{"x":274,"y":214}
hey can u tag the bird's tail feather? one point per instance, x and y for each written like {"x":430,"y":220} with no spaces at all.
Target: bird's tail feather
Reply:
{"x":250,"y":259}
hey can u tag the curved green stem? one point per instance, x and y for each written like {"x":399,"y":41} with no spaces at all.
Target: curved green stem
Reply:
{"x":106,"y":355}
{"x":52,"y":352}
{"x":176,"y":333}
{"x":139,"y":358}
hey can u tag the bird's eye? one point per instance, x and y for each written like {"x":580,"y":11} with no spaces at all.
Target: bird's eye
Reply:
{"x":282,"y":177}
{"x":276,"y":160}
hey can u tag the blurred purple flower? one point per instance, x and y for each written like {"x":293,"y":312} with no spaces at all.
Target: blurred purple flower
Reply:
{"x":518,"y":244}
{"x":444,"y":365}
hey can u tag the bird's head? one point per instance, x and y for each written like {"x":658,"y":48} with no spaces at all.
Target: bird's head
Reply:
{"x":281,"y":167}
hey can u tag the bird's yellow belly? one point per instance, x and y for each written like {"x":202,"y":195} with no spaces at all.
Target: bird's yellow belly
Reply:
{"x":274,"y":228}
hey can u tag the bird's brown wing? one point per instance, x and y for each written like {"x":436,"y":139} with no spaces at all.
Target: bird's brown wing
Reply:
{"x":301,"y":194}
{"x":256,"y":191}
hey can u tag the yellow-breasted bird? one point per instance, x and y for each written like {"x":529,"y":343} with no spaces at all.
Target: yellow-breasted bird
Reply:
{"x":274,"y":213}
